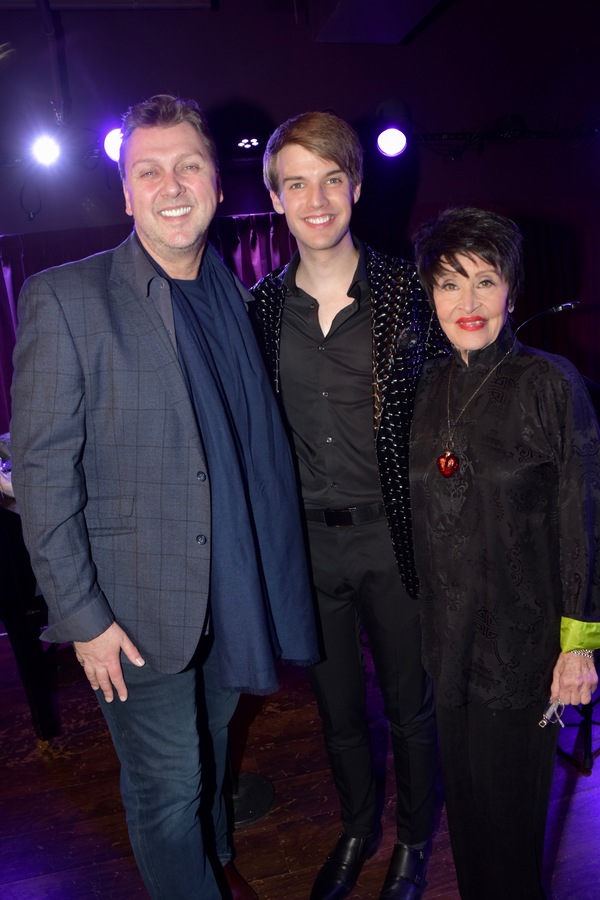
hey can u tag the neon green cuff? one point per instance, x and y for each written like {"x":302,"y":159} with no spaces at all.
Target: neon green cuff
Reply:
{"x":577,"y":635}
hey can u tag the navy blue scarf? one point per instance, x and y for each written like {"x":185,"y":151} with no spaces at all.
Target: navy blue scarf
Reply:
{"x":260,"y":595}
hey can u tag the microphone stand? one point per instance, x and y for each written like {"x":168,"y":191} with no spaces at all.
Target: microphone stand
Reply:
{"x":562,"y":307}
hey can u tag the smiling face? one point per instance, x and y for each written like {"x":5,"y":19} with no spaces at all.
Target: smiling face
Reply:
{"x":172,"y":190}
{"x":316,"y":197}
{"x":472,"y":307}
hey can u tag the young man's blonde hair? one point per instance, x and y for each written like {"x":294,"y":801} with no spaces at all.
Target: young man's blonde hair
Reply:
{"x":322,"y":133}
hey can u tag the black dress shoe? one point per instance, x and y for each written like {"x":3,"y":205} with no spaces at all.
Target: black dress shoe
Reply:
{"x":405,"y":879}
{"x":341,"y":869}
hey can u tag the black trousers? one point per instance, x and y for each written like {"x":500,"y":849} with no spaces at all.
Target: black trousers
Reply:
{"x":498,"y":767}
{"x":357,"y":582}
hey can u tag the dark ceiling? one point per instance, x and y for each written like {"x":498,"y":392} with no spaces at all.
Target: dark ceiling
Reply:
{"x":470,"y":74}
{"x":336,"y":21}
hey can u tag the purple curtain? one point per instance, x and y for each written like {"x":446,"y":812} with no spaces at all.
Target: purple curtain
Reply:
{"x":8,"y":324}
{"x":253,"y":245}
{"x":250,"y":245}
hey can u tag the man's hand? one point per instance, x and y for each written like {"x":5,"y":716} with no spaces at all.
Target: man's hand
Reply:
{"x":101,"y":660}
{"x":574,"y":679}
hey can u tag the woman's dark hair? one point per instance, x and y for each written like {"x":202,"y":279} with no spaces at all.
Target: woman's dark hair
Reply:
{"x":164,"y":110}
{"x":469,"y":232}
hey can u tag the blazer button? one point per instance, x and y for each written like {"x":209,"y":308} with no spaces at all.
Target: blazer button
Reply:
{"x":201,"y":476}
{"x":201,"y":538}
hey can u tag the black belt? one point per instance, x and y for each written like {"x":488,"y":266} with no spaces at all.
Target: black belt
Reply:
{"x":349,"y":515}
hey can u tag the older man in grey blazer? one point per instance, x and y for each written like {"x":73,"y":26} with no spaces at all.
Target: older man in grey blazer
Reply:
{"x":158,"y":496}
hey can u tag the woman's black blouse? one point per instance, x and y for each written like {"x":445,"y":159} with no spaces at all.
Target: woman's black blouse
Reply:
{"x":510,"y":543}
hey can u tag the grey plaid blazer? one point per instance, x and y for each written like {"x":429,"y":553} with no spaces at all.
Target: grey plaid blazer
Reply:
{"x":108,"y":466}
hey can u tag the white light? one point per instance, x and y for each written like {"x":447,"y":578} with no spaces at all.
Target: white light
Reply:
{"x":391,"y":142}
{"x":248,"y":143}
{"x":112,"y":144}
{"x":45,"y":150}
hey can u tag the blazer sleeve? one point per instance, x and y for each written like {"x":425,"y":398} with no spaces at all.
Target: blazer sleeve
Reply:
{"x":48,"y":433}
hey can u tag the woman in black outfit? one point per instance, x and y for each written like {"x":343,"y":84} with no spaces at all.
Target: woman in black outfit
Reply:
{"x":505,"y":495}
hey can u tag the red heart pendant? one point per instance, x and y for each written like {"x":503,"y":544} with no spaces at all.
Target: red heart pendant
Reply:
{"x":448,"y":464}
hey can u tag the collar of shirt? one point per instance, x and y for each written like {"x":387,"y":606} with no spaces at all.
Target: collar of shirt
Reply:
{"x":154,"y":287}
{"x":359,"y":288}
{"x":144,"y":271}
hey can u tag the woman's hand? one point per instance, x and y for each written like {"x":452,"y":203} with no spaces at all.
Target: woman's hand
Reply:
{"x":574,"y":679}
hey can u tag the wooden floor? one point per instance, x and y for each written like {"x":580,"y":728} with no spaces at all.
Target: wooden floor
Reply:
{"x":63,"y":835}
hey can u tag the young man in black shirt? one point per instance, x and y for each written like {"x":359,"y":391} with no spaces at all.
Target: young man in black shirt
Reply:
{"x":346,"y":331}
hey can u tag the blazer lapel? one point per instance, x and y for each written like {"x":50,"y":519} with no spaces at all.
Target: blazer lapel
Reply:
{"x":139,"y":316}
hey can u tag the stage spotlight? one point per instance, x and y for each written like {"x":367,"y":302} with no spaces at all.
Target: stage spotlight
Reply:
{"x":248,"y":143}
{"x":45,"y":150}
{"x":393,"y":127}
{"x":112,"y":144}
{"x":391,"y":142}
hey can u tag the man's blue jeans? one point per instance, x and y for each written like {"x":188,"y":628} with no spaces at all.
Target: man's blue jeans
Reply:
{"x":170,"y":762}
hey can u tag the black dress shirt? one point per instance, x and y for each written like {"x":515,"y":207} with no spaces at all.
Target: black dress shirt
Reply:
{"x":327,"y":393}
